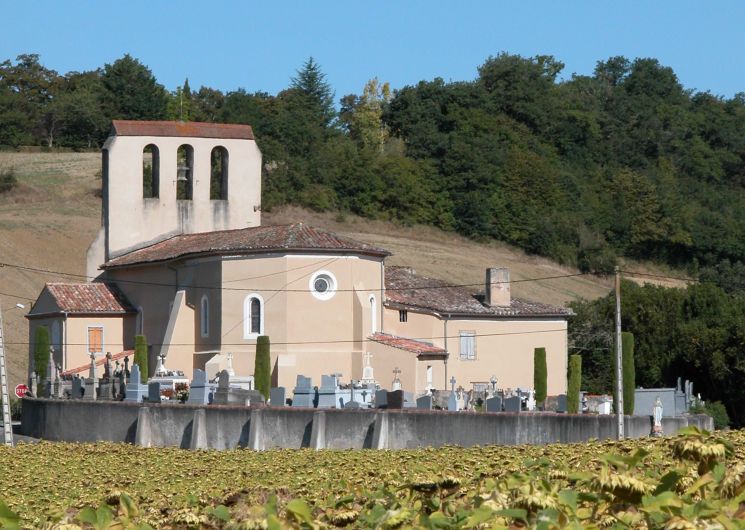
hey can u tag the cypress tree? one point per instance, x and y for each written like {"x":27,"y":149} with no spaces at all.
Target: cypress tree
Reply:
{"x":141,"y":356}
{"x":629,"y":372}
{"x":575,"y":383}
{"x":41,"y":351}
{"x":540,"y":375}
{"x":262,"y":366}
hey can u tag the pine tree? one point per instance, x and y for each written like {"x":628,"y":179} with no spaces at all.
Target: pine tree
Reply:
{"x":575,"y":383}
{"x":41,"y":351}
{"x":262,"y":366}
{"x":540,"y":375}
{"x":311,"y":82}
{"x":141,"y":356}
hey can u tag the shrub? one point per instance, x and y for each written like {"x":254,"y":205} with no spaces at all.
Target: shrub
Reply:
{"x":716,"y":410}
{"x":540,"y":375}
{"x":8,"y":179}
{"x":575,"y":383}
{"x":141,"y":356}
{"x":41,"y":351}
{"x":262,"y":366}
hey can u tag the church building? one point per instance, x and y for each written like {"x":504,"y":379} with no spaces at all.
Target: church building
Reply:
{"x":183,"y":259}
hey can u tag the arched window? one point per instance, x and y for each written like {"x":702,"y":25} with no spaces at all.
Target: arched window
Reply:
{"x":185,"y":173}
{"x":373,"y":314}
{"x":204,"y":316}
{"x":150,"y":172}
{"x":253,"y":316}
{"x":219,"y":174}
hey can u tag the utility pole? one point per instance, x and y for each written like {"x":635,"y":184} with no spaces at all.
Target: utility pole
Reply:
{"x":5,"y":395}
{"x":619,"y":358}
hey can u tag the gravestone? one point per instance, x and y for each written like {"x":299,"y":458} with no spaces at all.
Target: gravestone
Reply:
{"x":77,"y":388}
{"x":424,"y":402}
{"x":304,"y":393}
{"x":395,"y":399}
{"x":106,"y":390}
{"x":561,"y":403}
{"x":409,"y":401}
{"x":494,"y":404}
{"x":227,"y":395}
{"x":200,"y":391}
{"x":513,"y":404}
{"x":135,"y":391}
{"x":91,"y":389}
{"x":327,"y":392}
{"x":153,"y":392}
{"x":453,"y":402}
{"x":352,"y":405}
{"x":381,"y":399}
{"x":277,"y":397}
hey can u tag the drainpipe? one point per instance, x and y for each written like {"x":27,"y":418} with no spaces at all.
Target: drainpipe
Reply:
{"x":64,"y":342}
{"x":447,"y":352}
{"x":382,"y":293}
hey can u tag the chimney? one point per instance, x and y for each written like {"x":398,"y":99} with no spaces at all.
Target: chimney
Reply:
{"x":497,"y":287}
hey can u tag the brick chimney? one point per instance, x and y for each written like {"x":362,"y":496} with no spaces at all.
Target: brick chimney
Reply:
{"x":497,"y":287}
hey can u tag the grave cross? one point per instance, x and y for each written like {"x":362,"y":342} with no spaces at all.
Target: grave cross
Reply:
{"x":452,"y":384}
{"x":493,"y":382}
{"x":396,"y":381}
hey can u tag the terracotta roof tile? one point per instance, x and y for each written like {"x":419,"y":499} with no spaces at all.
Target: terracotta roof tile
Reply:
{"x":407,"y":289}
{"x":260,"y":239}
{"x":89,"y":298}
{"x":100,"y":362}
{"x":190,"y":129}
{"x":411,"y":345}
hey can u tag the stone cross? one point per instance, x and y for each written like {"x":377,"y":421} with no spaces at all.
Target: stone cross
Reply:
{"x":126,"y":367}
{"x":396,"y":385}
{"x":159,"y":368}
{"x":92,"y":370}
{"x":493,"y":382}
{"x":452,"y":384}
{"x":230,"y":370}
{"x":107,"y":366}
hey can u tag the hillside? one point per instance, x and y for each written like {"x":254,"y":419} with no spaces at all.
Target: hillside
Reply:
{"x":49,"y":220}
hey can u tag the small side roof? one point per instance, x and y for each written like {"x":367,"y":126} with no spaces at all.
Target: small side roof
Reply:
{"x":99,"y":362}
{"x":85,"y":298}
{"x":191,"y":129}
{"x":297,"y":237}
{"x":410,"y":345}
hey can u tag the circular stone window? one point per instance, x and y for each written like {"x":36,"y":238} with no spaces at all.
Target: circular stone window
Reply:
{"x":323,"y":285}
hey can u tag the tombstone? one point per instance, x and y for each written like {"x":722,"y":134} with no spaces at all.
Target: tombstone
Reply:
{"x":368,"y":375}
{"x":106,"y":389}
{"x":227,"y":395}
{"x":513,"y":404}
{"x":352,"y":405}
{"x":381,"y":399}
{"x":91,"y":389}
{"x":304,"y":393}
{"x":424,"y":402}
{"x":33,"y":385}
{"x":153,"y":392}
{"x":107,"y":367}
{"x":494,"y":404}
{"x":327,"y":392}
{"x":530,"y":403}
{"x":200,"y":390}
{"x":396,"y":384}
{"x":493,"y":381}
{"x":135,"y":391}
{"x":453,"y":402}
{"x":277,"y":397}
{"x":121,"y":391}
{"x":561,"y":403}
{"x":409,"y":401}
{"x":77,"y":388}
{"x":127,"y":373}
{"x":462,"y":398}
{"x":395,"y":399}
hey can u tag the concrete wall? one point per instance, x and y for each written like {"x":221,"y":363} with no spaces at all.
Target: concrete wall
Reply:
{"x":224,"y":427}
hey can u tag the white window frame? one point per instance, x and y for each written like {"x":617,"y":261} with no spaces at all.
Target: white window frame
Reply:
{"x":88,"y":336}
{"x":373,"y":313}
{"x":467,"y":356}
{"x":204,"y":316}
{"x":247,"y":334}
{"x":332,"y":287}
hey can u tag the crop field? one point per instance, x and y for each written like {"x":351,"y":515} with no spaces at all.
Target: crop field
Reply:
{"x":692,"y":481}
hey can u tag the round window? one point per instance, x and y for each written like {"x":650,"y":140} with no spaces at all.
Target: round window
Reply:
{"x":323,"y":285}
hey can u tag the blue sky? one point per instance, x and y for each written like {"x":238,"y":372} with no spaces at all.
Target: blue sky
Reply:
{"x":259,"y":45}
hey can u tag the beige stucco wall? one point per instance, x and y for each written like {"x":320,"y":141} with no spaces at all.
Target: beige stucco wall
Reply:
{"x":133,"y":221}
{"x":504,"y":348}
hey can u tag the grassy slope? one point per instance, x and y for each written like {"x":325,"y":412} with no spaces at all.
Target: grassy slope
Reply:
{"x":49,"y":220}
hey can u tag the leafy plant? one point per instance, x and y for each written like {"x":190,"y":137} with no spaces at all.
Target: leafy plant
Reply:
{"x":8,"y":179}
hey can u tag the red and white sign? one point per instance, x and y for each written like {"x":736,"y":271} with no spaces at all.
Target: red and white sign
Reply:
{"x":21,"y":390}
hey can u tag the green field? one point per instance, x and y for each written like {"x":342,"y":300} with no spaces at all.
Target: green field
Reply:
{"x":693,"y":481}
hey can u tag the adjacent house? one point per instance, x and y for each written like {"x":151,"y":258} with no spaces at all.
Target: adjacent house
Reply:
{"x":183,"y":259}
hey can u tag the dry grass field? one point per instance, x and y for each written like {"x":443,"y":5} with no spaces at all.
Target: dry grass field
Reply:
{"x":51,"y":217}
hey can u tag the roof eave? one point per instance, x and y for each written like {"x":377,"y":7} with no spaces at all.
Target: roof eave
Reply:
{"x":460,"y":314}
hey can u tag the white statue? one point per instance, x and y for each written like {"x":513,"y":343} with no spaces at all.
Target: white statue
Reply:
{"x":657,"y":418}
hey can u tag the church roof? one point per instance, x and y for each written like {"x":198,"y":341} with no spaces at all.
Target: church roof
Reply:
{"x":297,"y":237}
{"x":406,"y":289}
{"x":411,"y":345}
{"x":87,"y":298}
{"x":191,"y":129}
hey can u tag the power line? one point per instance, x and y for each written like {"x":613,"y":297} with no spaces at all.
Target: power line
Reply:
{"x":301,"y":343}
{"x":16,"y":296}
{"x":661,"y":276}
{"x":222,"y":288}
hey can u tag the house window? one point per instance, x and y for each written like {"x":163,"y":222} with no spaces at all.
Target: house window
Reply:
{"x":219,"y":174}
{"x":95,"y":340}
{"x":467,"y":345}
{"x":185,"y":173}
{"x":403,"y":315}
{"x":150,"y":172}
{"x":205,"y":316}
{"x":373,"y":314}
{"x":323,"y":285}
{"x":253,"y":316}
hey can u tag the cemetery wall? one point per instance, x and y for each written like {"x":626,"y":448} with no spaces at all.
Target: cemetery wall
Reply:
{"x":224,"y":427}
